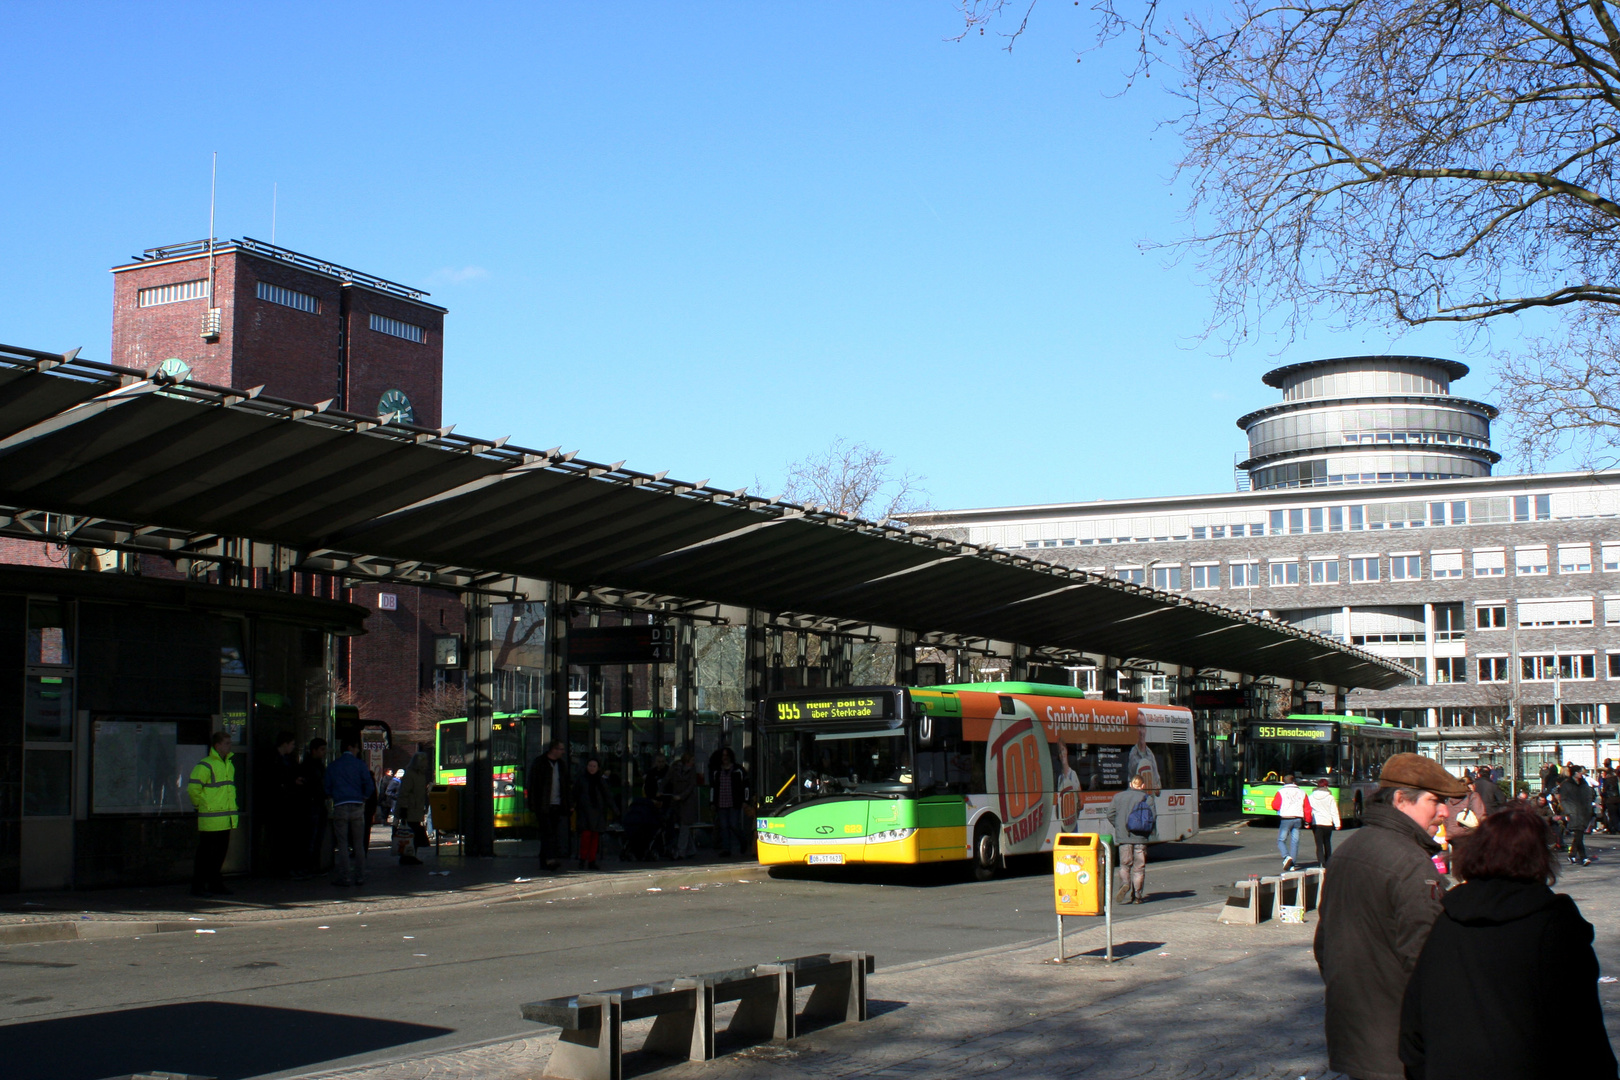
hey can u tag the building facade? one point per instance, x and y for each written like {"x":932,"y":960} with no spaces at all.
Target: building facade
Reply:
{"x":1372,"y":516}
{"x":247,"y":314}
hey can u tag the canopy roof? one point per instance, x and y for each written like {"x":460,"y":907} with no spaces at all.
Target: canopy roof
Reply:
{"x":113,"y":444}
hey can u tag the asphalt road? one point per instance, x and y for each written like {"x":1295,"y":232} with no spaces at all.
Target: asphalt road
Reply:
{"x":285,"y":998}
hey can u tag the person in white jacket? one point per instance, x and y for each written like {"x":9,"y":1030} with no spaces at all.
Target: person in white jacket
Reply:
{"x":1289,"y":802}
{"x":1322,"y":812}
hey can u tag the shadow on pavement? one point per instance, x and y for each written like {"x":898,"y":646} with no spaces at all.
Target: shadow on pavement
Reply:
{"x":1124,"y":949}
{"x":207,"y":1038}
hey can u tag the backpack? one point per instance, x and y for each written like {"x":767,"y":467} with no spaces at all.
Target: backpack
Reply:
{"x":1143,"y":818}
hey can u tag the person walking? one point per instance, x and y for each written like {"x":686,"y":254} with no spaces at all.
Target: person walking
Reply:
{"x":312,"y":790}
{"x":551,"y":800}
{"x":1375,"y":913}
{"x":1490,"y":792}
{"x":1575,"y":799}
{"x":1549,"y":778}
{"x":1322,"y":811}
{"x":682,"y":788}
{"x":1135,"y":819}
{"x":279,"y":795}
{"x":728,"y":790}
{"x":1506,"y":985}
{"x":411,"y":803}
{"x":349,"y":785}
{"x":1289,"y":802}
{"x":212,"y":790}
{"x":594,"y":799}
{"x":1609,"y":792}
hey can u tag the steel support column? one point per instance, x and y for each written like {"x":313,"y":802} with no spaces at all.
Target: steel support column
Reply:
{"x":480,"y":691}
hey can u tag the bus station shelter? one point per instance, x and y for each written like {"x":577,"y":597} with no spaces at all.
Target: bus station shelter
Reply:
{"x":250,"y":491}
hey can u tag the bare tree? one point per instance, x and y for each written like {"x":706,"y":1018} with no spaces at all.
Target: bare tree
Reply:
{"x":1397,"y":161}
{"x":855,"y":479}
{"x":437,"y":703}
{"x":1563,"y":393}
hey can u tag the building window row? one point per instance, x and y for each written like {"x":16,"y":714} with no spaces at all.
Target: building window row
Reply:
{"x":276,"y":294}
{"x":1545,"y":667}
{"x":172,"y":294}
{"x":396,"y":328}
{"x":1299,"y":521}
{"x":1408,"y":566}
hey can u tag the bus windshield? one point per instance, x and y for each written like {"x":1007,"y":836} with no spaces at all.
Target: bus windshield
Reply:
{"x":1269,"y":760}
{"x":802,"y":765}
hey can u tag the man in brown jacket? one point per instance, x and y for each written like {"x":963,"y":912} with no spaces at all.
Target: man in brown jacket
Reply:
{"x":1378,"y":904}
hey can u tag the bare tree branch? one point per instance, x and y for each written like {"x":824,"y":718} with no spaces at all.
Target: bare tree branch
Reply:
{"x":855,"y":479}
{"x":1404,"y":161}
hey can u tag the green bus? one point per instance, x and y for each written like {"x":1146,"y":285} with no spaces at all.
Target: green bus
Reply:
{"x":510,"y":762}
{"x":959,"y":773}
{"x":1348,"y":751}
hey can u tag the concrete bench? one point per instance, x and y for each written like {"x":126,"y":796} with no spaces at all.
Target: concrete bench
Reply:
{"x":590,"y":1046}
{"x":1261,"y":898}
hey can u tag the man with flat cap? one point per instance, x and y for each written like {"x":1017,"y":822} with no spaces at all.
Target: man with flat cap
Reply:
{"x":1378,"y":903}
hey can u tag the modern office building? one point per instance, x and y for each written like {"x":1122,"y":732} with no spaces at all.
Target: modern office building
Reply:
{"x":1371,"y":515}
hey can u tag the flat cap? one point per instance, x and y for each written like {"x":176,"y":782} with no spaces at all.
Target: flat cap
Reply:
{"x":1417,"y":771}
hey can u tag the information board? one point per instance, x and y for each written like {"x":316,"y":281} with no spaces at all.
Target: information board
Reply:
{"x":140,"y":767}
{"x":833,"y":707}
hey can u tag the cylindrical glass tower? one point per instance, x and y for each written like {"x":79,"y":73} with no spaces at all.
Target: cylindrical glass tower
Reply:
{"x":1367,"y":420}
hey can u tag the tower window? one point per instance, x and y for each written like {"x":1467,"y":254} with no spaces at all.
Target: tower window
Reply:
{"x":300,"y":301}
{"x":395,"y":328}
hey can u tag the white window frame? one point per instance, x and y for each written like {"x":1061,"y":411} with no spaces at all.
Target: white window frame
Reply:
{"x":1323,"y":562}
{"x":173,"y":293}
{"x":1506,"y":662}
{"x":1609,"y":552}
{"x":1251,"y":568}
{"x":1480,"y":605}
{"x":1490,"y":571}
{"x":1536,"y":569}
{"x":1575,"y":567}
{"x":406,"y":331}
{"x":1531,"y":604}
{"x":1167,"y":567}
{"x":1441,"y":572}
{"x":1274,"y":565}
{"x":1377,"y":561}
{"x":271,"y":293}
{"x":1406,"y":565}
{"x":1205,"y":567}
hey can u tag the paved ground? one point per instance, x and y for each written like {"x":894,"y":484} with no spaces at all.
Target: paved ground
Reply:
{"x":433,"y":992}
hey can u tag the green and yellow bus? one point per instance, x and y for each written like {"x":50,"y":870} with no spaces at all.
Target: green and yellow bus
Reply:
{"x":510,"y":761}
{"x":969,"y":772}
{"x":1348,"y":751}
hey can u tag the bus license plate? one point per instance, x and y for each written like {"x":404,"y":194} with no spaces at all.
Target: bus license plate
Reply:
{"x":814,"y":860}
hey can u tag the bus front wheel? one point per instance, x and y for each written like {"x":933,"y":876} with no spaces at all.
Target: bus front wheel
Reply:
{"x":986,"y":849}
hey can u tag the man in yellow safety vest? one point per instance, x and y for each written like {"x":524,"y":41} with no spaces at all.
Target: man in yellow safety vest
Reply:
{"x":212,"y":790}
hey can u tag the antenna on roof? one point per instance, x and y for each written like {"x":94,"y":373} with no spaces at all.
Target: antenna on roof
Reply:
{"x":211,"y":320}
{"x":273,"y":187}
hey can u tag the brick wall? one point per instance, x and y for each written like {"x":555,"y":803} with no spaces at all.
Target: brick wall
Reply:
{"x":291,"y":353}
{"x":145,"y":337}
{"x":379,"y":362}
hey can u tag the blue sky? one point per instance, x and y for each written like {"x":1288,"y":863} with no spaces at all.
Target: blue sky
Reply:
{"x":707,"y":238}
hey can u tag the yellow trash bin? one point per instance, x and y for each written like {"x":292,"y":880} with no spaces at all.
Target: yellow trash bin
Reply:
{"x":1077,"y":885}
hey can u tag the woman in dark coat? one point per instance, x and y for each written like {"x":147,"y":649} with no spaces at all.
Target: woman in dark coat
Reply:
{"x":593,"y":802}
{"x":1506,"y":985}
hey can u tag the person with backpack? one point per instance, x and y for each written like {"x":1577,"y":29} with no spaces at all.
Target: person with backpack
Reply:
{"x":1134,"y":818}
{"x":1289,"y":802}
{"x":1322,"y":815}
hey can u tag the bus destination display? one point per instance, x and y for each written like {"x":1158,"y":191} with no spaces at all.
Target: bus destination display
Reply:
{"x":851,"y":707}
{"x":1314,"y":733}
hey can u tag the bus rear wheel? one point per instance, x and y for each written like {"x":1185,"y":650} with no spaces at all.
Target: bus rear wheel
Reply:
{"x":1357,"y":813}
{"x":986,"y":849}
